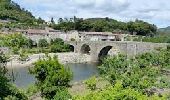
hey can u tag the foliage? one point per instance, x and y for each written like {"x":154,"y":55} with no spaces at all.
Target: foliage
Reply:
{"x":31,"y":90}
{"x":18,"y":17}
{"x":141,"y":28}
{"x":158,"y":39}
{"x":3,"y":59}
{"x":62,"y":94}
{"x":140,"y":73}
{"x":23,"y":56}
{"x":118,"y":92}
{"x":43,"y":43}
{"x":30,"y":43}
{"x":7,"y":90}
{"x":58,"y":45}
{"x":17,"y":42}
{"x":91,"y":83}
{"x":105,"y":25}
{"x":51,"y":76}
{"x":14,"y":40}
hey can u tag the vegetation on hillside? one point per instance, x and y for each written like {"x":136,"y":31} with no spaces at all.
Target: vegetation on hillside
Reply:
{"x":118,"y":92}
{"x":20,"y":44}
{"x":158,"y":38}
{"x":105,"y":25}
{"x":165,"y":30}
{"x":18,"y":17}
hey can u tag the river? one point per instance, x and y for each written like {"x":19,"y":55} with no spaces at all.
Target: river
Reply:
{"x":23,"y":79}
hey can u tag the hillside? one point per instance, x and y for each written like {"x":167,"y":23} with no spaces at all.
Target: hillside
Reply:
{"x":106,"y":25}
{"x":12,"y":12}
{"x":165,"y":30}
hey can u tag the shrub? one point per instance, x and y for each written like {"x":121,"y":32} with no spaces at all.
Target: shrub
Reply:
{"x":140,"y":73}
{"x":7,"y":90}
{"x":91,"y":83}
{"x":117,"y":92}
{"x":43,"y":43}
{"x":51,"y":76}
{"x":31,"y":90}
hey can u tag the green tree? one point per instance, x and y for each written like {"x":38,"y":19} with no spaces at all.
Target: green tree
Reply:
{"x":43,"y":43}
{"x":91,"y":83}
{"x":7,"y":90}
{"x":30,"y":43}
{"x":18,"y":17}
{"x":58,"y":45}
{"x":142,"y":28}
{"x":52,"y":77}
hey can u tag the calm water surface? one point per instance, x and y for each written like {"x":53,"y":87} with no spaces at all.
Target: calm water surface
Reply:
{"x":80,"y":72}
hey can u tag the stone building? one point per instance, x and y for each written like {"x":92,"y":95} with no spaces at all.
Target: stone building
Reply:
{"x":101,"y":36}
{"x":49,"y":33}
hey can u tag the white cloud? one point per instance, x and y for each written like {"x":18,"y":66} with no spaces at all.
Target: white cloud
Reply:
{"x":157,"y":11}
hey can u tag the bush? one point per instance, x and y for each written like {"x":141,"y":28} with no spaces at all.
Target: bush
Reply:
{"x":23,"y":56}
{"x":91,"y":83}
{"x":117,"y":92}
{"x":43,"y":43}
{"x":56,"y":48}
{"x":140,"y":73}
{"x":31,"y":90}
{"x":62,"y":94}
{"x":7,"y":90}
{"x":15,"y":50}
{"x":51,"y":76}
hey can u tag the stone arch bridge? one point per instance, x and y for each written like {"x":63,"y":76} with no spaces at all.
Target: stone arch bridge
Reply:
{"x":100,"y":48}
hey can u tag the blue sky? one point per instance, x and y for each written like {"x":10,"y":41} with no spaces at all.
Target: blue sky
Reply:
{"x":153,"y":11}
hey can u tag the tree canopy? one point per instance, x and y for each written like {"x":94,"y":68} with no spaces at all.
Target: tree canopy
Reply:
{"x":17,"y":16}
{"x":52,"y":78}
{"x":106,"y":25}
{"x":7,"y":90}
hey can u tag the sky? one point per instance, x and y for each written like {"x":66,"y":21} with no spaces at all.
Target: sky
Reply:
{"x":154,"y":11}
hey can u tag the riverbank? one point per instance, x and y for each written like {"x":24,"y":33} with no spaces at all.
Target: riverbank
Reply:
{"x":63,"y":58}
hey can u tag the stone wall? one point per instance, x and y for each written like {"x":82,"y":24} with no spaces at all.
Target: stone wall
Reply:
{"x":62,"y":57}
{"x":5,"y":50}
{"x":72,"y":57}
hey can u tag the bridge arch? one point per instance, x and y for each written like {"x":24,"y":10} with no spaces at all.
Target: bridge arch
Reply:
{"x":71,"y":47}
{"x":107,"y":50}
{"x":104,"y":52}
{"x":85,"y":49}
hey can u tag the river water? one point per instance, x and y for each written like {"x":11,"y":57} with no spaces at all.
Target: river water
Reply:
{"x":23,"y":79}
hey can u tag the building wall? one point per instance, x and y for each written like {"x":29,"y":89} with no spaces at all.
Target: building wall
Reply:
{"x":99,"y":38}
{"x":74,"y":35}
{"x":66,"y":36}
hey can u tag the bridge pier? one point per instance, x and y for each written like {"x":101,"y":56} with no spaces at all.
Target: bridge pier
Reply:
{"x":94,"y":53}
